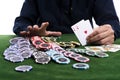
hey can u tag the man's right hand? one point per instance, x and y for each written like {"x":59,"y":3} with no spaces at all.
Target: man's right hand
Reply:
{"x":39,"y":31}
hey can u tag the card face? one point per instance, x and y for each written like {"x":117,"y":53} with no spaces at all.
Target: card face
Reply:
{"x":82,"y":29}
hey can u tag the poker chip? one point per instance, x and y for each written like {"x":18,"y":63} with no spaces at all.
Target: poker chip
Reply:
{"x":36,"y":41}
{"x":62,"y":60}
{"x":74,"y":55}
{"x":23,"y":68}
{"x":42,"y":60}
{"x":26,"y":54}
{"x":82,"y":59}
{"x":56,"y":55}
{"x":67,"y":53}
{"x":102,"y":54}
{"x":77,"y":50}
{"x":15,"y":40}
{"x":44,"y":46}
{"x":16,"y":59}
{"x":41,"y":57}
{"x":81,"y":66}
{"x":75,"y":43}
{"x":90,"y":53}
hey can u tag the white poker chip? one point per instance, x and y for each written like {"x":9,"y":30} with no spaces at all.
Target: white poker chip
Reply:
{"x":23,"y":68}
{"x":26,"y":54}
{"x":81,"y":66}
{"x":42,"y":60}
{"x":16,"y":59}
{"x":15,"y":40}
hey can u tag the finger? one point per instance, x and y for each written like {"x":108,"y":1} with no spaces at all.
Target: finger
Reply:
{"x":23,"y":33}
{"x":95,"y":32}
{"x":50,"y":33}
{"x":100,"y":36}
{"x":101,"y":32}
{"x":107,"y":40}
{"x":44,"y":25}
{"x":29,"y":28}
{"x":36,"y":28}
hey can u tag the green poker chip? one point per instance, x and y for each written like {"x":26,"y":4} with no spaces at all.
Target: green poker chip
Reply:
{"x":90,"y":53}
{"x":102,"y":54}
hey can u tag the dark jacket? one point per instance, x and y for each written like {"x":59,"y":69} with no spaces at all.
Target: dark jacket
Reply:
{"x":62,"y":14}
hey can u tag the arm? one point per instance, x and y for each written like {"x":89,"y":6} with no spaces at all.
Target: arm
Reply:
{"x":104,"y":13}
{"x":28,"y":16}
{"x":109,"y":28}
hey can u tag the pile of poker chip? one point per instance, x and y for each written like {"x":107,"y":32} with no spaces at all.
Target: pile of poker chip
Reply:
{"x":18,"y":50}
{"x":45,"y":49}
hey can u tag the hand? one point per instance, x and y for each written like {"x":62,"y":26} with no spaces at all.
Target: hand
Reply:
{"x":102,"y":35}
{"x":39,"y":31}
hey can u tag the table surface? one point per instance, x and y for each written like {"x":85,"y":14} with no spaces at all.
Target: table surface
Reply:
{"x":100,"y":68}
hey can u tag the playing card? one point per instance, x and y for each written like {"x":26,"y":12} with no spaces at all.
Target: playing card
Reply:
{"x":82,"y":29}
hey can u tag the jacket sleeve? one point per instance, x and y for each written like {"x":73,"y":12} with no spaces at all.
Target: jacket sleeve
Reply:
{"x":104,"y":13}
{"x":28,"y":16}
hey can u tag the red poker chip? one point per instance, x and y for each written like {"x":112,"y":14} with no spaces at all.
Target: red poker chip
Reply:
{"x":36,"y":38}
{"x":45,"y":46}
{"x":36,"y":43}
{"x":74,"y":55}
{"x":67,"y":53}
{"x":82,"y":59}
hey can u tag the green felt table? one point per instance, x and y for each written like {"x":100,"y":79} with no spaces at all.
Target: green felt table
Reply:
{"x":100,"y":68}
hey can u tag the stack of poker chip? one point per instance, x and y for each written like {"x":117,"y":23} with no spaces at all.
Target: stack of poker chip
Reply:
{"x":18,"y":50}
{"x":39,"y":43}
{"x":71,"y":44}
{"x":99,"y":54}
{"x":58,"y":57}
{"x":70,"y":54}
{"x":41,"y":57}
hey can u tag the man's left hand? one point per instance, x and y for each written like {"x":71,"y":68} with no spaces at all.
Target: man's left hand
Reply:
{"x":102,"y":35}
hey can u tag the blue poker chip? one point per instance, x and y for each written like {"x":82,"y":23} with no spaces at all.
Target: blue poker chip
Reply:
{"x":62,"y":60}
{"x":56,"y":55}
{"x":81,"y":66}
{"x":50,"y":52}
